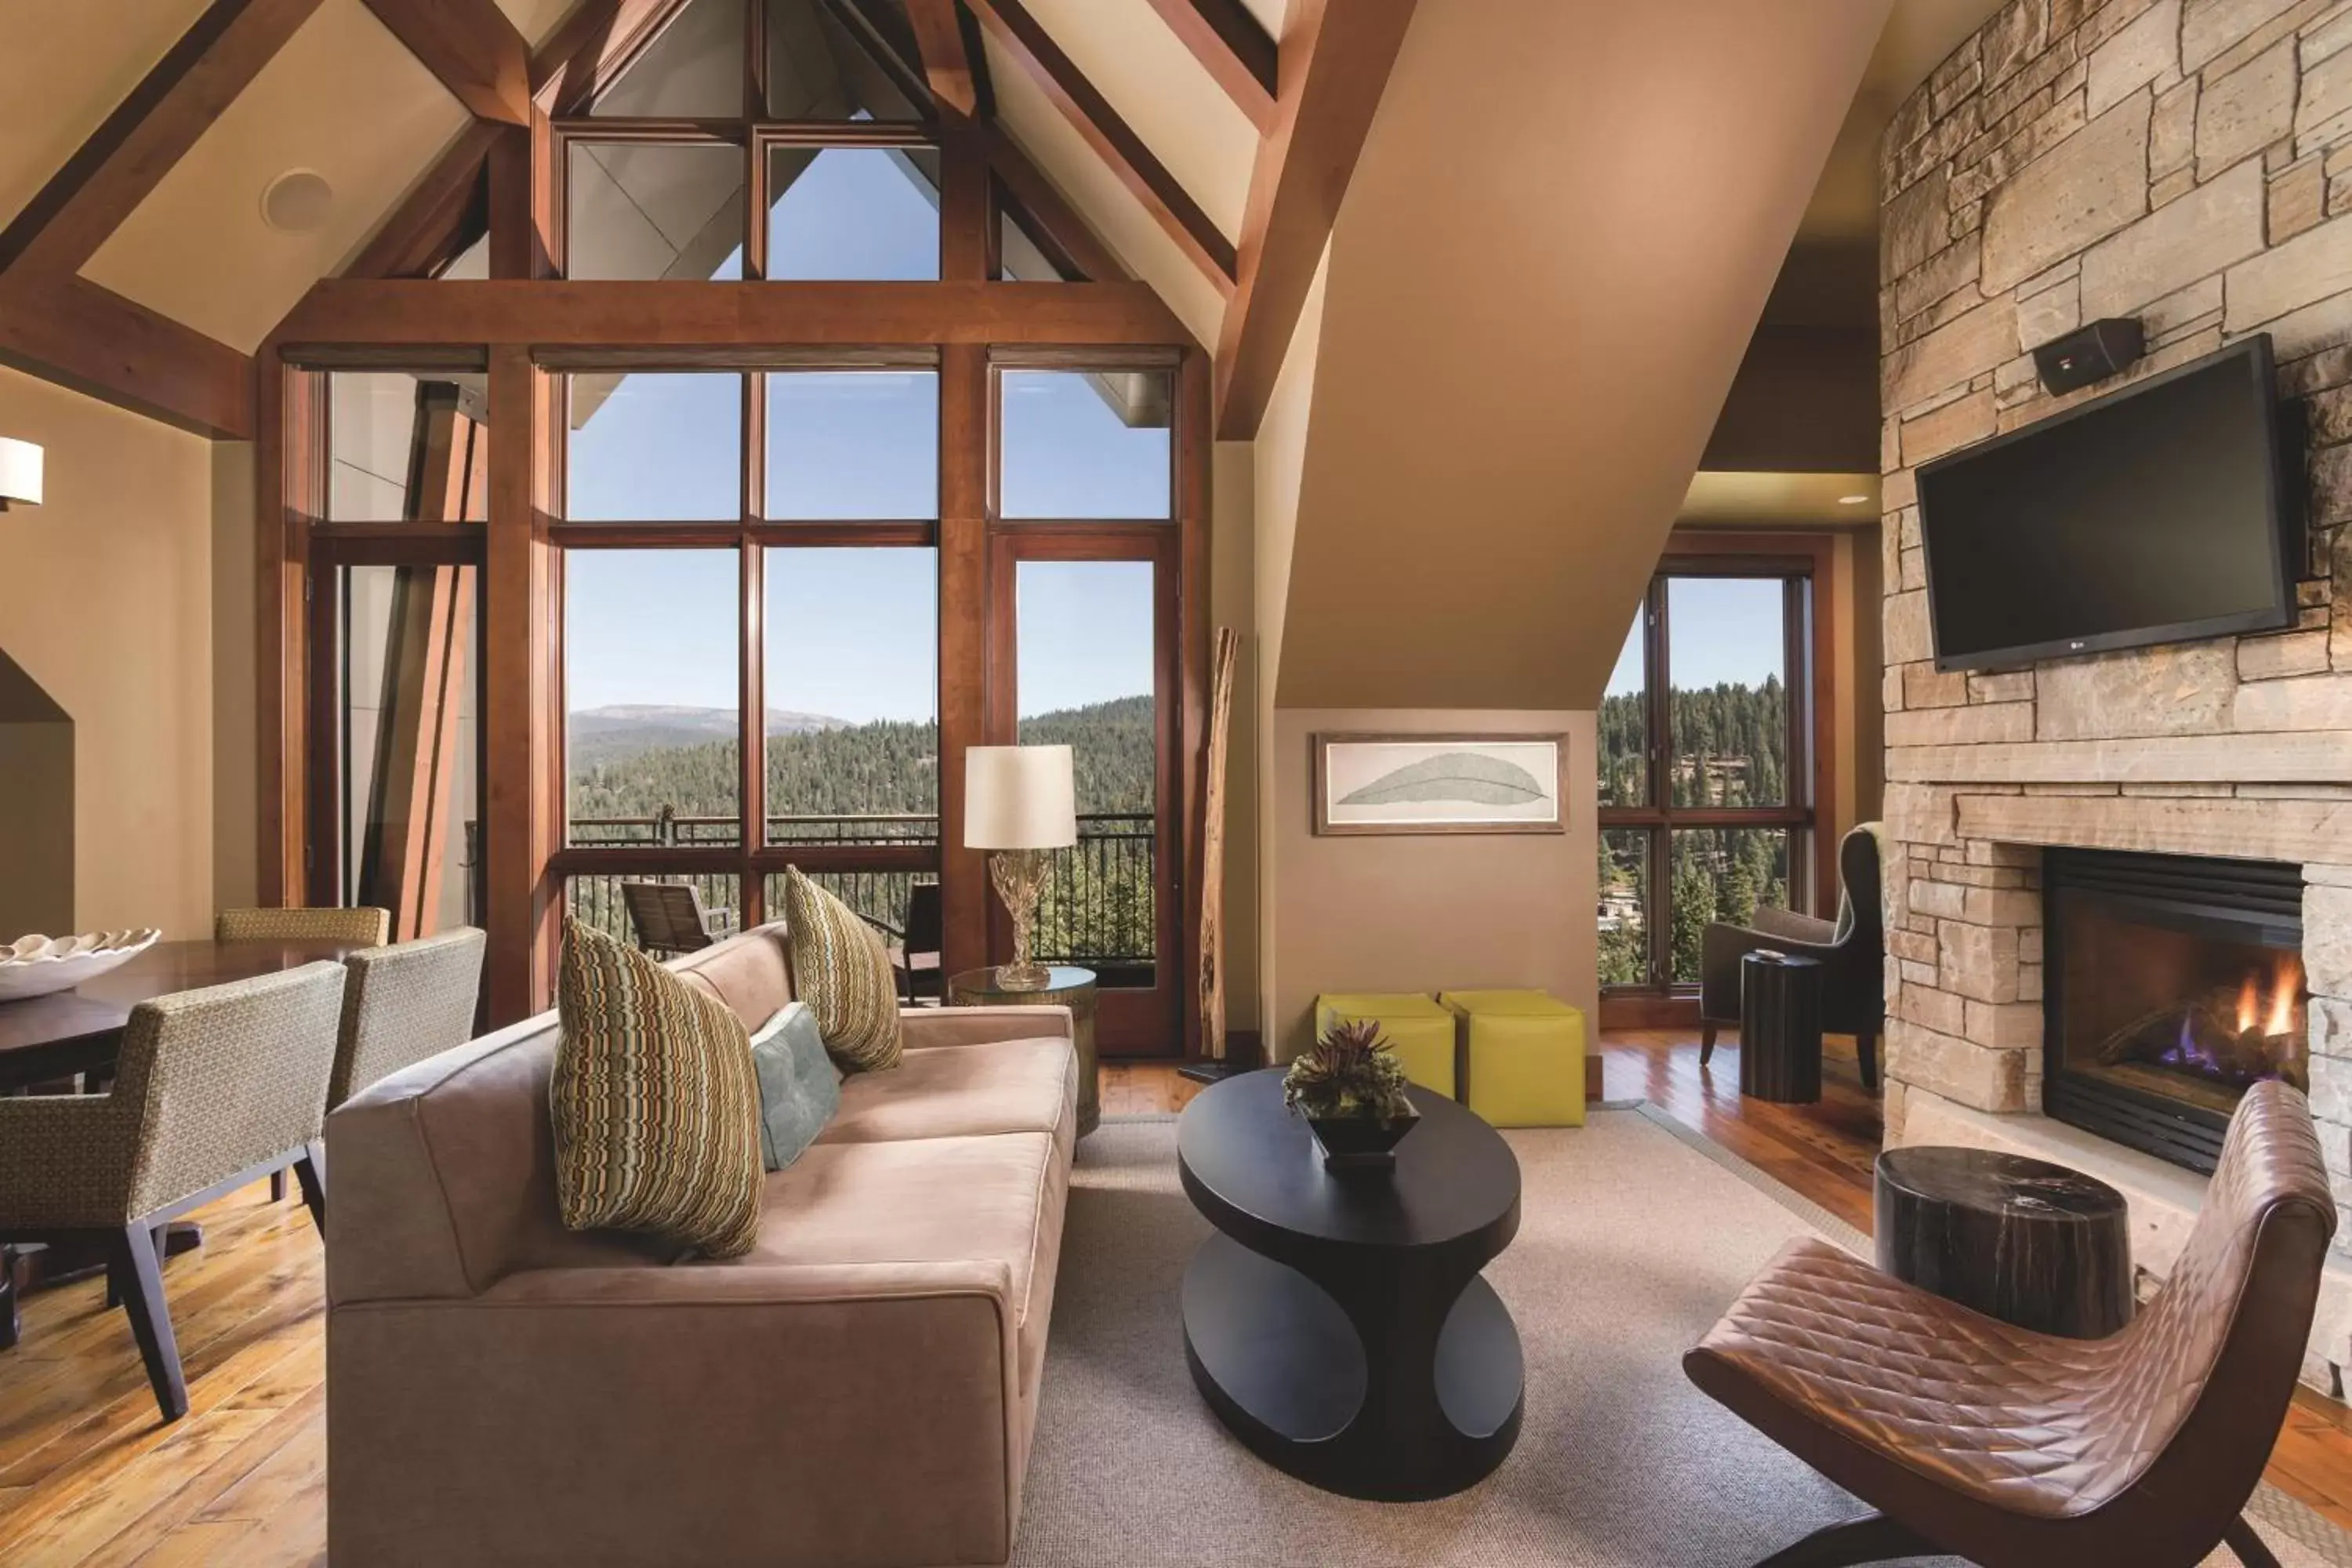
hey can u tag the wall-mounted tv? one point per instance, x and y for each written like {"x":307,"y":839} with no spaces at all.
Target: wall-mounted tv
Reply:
{"x":2167,"y":510}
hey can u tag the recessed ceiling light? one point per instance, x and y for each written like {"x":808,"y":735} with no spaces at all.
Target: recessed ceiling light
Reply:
{"x":1853,"y":501}
{"x":295,"y":202}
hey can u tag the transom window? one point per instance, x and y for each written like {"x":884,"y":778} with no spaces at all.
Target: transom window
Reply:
{"x":782,"y":138}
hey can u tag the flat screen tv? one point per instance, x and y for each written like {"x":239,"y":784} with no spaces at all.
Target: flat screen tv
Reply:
{"x":2167,"y":510}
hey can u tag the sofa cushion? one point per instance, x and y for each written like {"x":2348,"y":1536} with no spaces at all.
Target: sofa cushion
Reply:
{"x":929,"y":1199}
{"x":749,"y":972}
{"x":654,"y":1102}
{"x":843,"y":972}
{"x":955,"y":1091}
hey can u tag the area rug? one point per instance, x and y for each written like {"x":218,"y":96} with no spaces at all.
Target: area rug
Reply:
{"x":1634,"y":1234}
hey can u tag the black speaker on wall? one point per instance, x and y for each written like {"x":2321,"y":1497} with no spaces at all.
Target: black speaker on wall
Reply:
{"x":2088,"y":354}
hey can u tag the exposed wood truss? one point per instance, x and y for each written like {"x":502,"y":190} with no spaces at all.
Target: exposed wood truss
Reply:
{"x":1231,"y":46}
{"x":471,"y":46}
{"x":1138,"y":168}
{"x":947,"y":61}
{"x":71,"y":331}
{"x":594,"y":45}
{"x":1335,"y":65}
{"x":725,"y":318}
{"x":148,"y":132}
{"x":55,"y":323}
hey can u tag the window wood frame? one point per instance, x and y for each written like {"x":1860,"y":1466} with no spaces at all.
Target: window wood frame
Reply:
{"x":1803,"y":562}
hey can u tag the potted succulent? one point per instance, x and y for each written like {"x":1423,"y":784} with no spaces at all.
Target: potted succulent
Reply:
{"x":1352,"y":1088}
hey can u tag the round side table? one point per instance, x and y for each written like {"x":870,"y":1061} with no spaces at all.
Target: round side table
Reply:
{"x":1067,"y":986}
{"x":2022,"y":1240}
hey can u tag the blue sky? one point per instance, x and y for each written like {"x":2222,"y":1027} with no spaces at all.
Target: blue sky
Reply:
{"x":851,"y":633}
{"x":1723,"y":629}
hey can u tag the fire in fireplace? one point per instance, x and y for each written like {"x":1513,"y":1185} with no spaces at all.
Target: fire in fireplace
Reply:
{"x":2174,"y":984}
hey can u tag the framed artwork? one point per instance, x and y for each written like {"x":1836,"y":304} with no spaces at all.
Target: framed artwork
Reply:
{"x":1440,"y":784}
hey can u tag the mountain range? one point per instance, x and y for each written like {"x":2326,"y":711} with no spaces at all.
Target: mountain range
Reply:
{"x":622,"y":729}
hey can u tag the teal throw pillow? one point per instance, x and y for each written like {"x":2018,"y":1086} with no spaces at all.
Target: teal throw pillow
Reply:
{"x":798,"y":1087}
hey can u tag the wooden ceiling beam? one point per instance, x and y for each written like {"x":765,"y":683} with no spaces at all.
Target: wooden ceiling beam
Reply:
{"x":1232,"y":48}
{"x":1044,"y":206}
{"x":726,"y":317}
{"x":431,"y":227}
{"x":592,"y":45}
{"x":1335,"y":65}
{"x":1142,"y":172}
{"x":71,"y":331}
{"x":149,"y":131}
{"x":471,"y":46}
{"x":947,"y":63}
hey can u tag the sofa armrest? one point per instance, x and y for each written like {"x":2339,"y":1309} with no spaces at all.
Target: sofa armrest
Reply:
{"x":929,"y":1026}
{"x":801,"y":1415}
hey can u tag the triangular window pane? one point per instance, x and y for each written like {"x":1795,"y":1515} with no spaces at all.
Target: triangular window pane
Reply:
{"x":1020,"y":257}
{"x":821,"y":67}
{"x":694,"y":70}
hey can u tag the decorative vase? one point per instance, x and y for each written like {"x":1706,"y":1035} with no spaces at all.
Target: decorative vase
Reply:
{"x":1360,"y":1143}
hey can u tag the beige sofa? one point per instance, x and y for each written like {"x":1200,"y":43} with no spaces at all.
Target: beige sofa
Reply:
{"x":860,"y":1389}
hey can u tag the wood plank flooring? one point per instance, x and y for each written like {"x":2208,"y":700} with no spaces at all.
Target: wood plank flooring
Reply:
{"x":89,"y":1476}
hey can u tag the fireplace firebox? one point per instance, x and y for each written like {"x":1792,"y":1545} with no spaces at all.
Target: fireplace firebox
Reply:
{"x":2172,"y":984}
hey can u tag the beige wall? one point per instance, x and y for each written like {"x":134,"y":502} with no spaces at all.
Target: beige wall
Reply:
{"x":107,"y":601}
{"x":1426,"y":912}
{"x":1278,"y":455}
{"x":1233,"y":578}
{"x":236,"y":802}
{"x":1553,"y":253}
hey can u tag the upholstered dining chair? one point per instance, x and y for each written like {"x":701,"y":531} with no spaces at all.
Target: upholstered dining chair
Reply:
{"x":1852,"y":952}
{"x":403,"y":1003}
{"x":2002,"y":1446}
{"x":363,"y":926}
{"x":213,"y":1090}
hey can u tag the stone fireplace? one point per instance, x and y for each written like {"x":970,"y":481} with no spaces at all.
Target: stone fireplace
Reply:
{"x":2188,"y":164}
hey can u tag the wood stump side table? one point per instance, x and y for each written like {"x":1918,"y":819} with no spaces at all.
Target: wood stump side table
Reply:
{"x":1067,"y":987}
{"x":2028,"y":1242}
{"x":1781,"y":1027}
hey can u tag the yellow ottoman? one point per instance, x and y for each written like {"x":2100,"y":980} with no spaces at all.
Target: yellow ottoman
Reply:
{"x":1420,"y":1031}
{"x":1523,"y":1062}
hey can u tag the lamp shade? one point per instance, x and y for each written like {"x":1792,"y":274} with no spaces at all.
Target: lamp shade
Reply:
{"x":20,"y":472}
{"x":1019,"y":797}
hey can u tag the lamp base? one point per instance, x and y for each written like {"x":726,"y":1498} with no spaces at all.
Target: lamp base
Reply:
{"x":1022,"y":977}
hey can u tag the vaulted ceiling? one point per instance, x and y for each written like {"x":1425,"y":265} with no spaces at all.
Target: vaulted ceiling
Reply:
{"x":1568,"y":219}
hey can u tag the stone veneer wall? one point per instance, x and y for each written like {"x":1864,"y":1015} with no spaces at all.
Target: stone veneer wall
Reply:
{"x":2189,"y":163}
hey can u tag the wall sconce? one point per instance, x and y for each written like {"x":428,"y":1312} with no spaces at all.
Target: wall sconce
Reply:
{"x":20,"y":473}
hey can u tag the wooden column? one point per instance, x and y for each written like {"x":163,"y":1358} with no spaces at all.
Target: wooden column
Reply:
{"x":290,"y":487}
{"x":523,"y":812}
{"x":963,"y":641}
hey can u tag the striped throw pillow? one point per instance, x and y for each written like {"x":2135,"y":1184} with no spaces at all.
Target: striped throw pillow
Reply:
{"x":842,"y":971}
{"x":655,"y":1100}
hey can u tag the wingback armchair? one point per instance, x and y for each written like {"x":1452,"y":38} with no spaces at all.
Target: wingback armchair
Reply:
{"x":1852,"y":951}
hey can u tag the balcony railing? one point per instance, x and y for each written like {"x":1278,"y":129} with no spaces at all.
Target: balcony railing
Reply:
{"x":1101,"y":907}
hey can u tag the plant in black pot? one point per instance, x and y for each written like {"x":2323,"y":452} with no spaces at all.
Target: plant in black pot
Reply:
{"x":1352,"y":1088}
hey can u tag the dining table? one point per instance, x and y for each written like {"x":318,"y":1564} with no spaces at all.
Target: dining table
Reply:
{"x":52,"y":1039}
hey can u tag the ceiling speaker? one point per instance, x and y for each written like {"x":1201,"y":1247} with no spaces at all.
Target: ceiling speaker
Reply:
{"x":297,"y":201}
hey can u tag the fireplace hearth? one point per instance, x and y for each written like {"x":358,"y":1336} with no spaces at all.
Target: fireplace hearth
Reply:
{"x":2174,"y":984}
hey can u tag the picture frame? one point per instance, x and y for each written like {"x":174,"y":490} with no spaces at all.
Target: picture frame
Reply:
{"x":1440,"y":784}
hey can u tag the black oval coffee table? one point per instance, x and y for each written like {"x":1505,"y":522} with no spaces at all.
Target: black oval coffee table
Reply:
{"x":1338,"y":1324}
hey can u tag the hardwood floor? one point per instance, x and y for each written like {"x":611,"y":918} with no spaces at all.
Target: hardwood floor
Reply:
{"x":88,"y":1475}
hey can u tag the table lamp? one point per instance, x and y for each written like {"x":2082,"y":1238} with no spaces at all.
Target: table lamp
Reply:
{"x":20,"y":473}
{"x":1019,"y":805}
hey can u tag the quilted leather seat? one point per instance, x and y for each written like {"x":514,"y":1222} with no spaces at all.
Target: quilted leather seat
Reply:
{"x":2008,"y":1446}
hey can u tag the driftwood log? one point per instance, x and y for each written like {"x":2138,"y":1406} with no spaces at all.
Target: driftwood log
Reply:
{"x":1223,"y":658}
